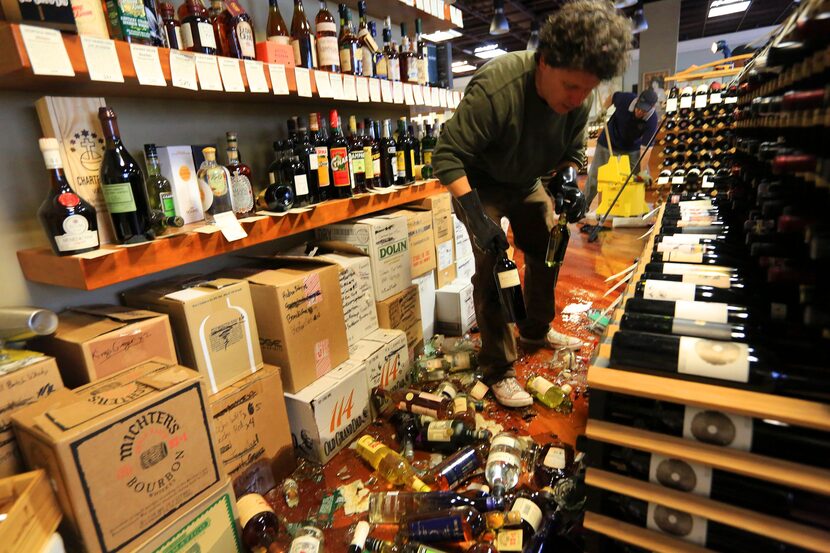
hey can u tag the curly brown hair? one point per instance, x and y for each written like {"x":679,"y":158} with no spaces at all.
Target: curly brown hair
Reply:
{"x":588,"y":35}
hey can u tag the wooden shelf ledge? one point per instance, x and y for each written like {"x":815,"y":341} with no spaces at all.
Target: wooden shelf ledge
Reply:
{"x":650,"y":540}
{"x":764,"y":525}
{"x":126,"y":263}
{"x":782,"y":472}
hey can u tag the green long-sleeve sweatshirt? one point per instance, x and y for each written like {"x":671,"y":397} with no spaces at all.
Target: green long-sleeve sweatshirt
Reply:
{"x":503,"y":134}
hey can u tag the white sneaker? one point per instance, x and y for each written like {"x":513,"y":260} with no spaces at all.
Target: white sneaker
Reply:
{"x":510,"y":394}
{"x":553,"y":340}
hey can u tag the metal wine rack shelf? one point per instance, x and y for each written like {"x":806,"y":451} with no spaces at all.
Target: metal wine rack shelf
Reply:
{"x":122,"y":263}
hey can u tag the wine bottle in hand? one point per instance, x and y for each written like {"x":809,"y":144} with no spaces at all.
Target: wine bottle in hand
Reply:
{"x":510,"y":289}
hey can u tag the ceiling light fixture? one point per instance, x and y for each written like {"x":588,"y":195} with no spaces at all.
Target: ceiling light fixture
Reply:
{"x":623,"y":4}
{"x":533,"y":41}
{"x":638,"y":20}
{"x":727,"y":7}
{"x":462,"y":67}
{"x":499,"y":25}
{"x":489,"y":51}
{"x":721,"y":46}
{"x":441,"y":36}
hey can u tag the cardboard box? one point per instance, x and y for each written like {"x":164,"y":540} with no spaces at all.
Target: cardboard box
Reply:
{"x":25,"y":378}
{"x":465,"y":269}
{"x":403,"y":312}
{"x":126,"y":454}
{"x":440,"y":205}
{"x":30,"y":512}
{"x":299,"y":315}
{"x":330,"y":413}
{"x":252,"y":434}
{"x":386,"y":358}
{"x":213,"y":322}
{"x":386,"y":241}
{"x":176,"y":163}
{"x":421,"y":240}
{"x":455,"y":309}
{"x":426,"y":297}
{"x":209,"y":527}
{"x":356,"y":291}
{"x":462,"y":242}
{"x":95,"y":341}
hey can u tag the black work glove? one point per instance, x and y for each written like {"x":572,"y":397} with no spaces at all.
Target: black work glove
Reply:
{"x":488,"y":235}
{"x":566,"y":195}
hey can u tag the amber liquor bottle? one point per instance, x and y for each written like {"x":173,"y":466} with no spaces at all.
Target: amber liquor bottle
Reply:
{"x":351,"y":58}
{"x":197,"y":30}
{"x":236,"y":32}
{"x":328,"y":55}
{"x":302,"y":40}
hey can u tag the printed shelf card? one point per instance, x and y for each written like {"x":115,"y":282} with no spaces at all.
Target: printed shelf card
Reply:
{"x":442,"y":97}
{"x":374,"y":89}
{"x":337,"y":91}
{"x":397,"y":92}
{"x":362,"y":89}
{"x":386,"y":89}
{"x":279,"y":80}
{"x":303,"y":81}
{"x":147,"y":65}
{"x":255,"y":72}
{"x":349,"y":88}
{"x":183,"y":70}
{"x":208,"y":72}
{"x":47,"y":52}
{"x":102,"y":59}
{"x":229,"y":226}
{"x":418,"y":91}
{"x":231,"y":75}
{"x":323,"y":84}
{"x":408,"y":95}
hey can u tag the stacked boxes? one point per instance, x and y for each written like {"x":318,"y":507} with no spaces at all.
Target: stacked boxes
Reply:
{"x":403,"y":312}
{"x":440,"y":206}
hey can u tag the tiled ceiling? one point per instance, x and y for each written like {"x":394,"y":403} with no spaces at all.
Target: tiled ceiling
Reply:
{"x":693,"y":21}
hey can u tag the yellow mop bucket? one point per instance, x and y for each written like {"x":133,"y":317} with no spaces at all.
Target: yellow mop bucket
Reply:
{"x":610,"y":178}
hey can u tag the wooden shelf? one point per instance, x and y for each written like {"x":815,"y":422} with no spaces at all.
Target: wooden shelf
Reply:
{"x":741,"y":462}
{"x":16,"y":74}
{"x":764,"y":525}
{"x":403,"y":13}
{"x":126,"y":263}
{"x":650,"y":540}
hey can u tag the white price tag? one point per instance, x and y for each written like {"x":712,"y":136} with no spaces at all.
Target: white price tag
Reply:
{"x":229,"y":226}
{"x":408,"y":96}
{"x":686,"y":102}
{"x":700,"y":101}
{"x":418,"y":93}
{"x":707,"y":182}
{"x":256,"y":76}
{"x":336,"y":86}
{"x":349,"y":88}
{"x":677,"y":180}
{"x":386,"y":90}
{"x":102,"y":59}
{"x":303,"y":81}
{"x":323,"y":84}
{"x":46,"y":51}
{"x":183,"y":70}
{"x":731,"y":100}
{"x":436,"y":98}
{"x":442,"y":97}
{"x":231,"y":74}
{"x":147,"y":65}
{"x":663,"y":180}
{"x":374,"y":89}
{"x":671,"y":105}
{"x":279,"y":80}
{"x":715,"y":98}
{"x":362,"y":89}
{"x":397,"y":92}
{"x":208,"y":72}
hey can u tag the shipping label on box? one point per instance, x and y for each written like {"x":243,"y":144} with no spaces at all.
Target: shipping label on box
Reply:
{"x":357,"y":293}
{"x":329,"y":413}
{"x":455,"y":309}
{"x":465,"y":269}
{"x":213,"y":322}
{"x":25,"y":377}
{"x":209,"y":527}
{"x":251,"y":427}
{"x":177,"y":166}
{"x":127,"y":453}
{"x":95,"y":341}
{"x":426,"y":296}
{"x":463,"y":245}
{"x":421,"y":240}
{"x":300,"y":316}
{"x":386,"y":241}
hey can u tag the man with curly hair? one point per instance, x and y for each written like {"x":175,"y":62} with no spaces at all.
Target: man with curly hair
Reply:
{"x":522,"y":118}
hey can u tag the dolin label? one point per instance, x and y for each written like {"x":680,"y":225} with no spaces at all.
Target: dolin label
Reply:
{"x":393,"y":249}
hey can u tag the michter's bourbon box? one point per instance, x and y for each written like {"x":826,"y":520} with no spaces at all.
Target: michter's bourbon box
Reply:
{"x":127,"y":454}
{"x":74,"y":123}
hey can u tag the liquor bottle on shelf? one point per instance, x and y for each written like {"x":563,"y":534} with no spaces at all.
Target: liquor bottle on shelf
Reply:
{"x":215,"y":186}
{"x":260,"y":525}
{"x":276,"y":29}
{"x":278,"y":196}
{"x":172,"y":27}
{"x":448,"y":436}
{"x":390,"y":52}
{"x":308,"y":539}
{"x":694,"y":310}
{"x":368,"y":46}
{"x":295,"y":173}
{"x":388,"y":156}
{"x":510,"y":289}
{"x":197,"y":30}
{"x":389,"y":464}
{"x":504,"y":464}
{"x":122,"y":184}
{"x":339,"y":159}
{"x":392,"y":507}
{"x":686,"y":101}
{"x":371,"y":154}
{"x":358,"y":541}
{"x":660,"y":324}
{"x":159,"y":191}
{"x":677,"y":291}
{"x":422,"y":59}
{"x":328,"y":56}
{"x":428,"y":143}
{"x":241,"y":188}
{"x":456,"y":524}
{"x":357,"y":165}
{"x":373,"y":32}
{"x":236,"y":32}
{"x":70,"y":222}
{"x":456,"y":468}
{"x":416,"y":146}
{"x":405,"y":154}
{"x":307,"y":153}
{"x":302,"y":40}
{"x":409,"y":65}
{"x":351,"y":57}
{"x":320,"y":144}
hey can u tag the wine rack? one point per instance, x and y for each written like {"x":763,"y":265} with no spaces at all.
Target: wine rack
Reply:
{"x":777,"y":124}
